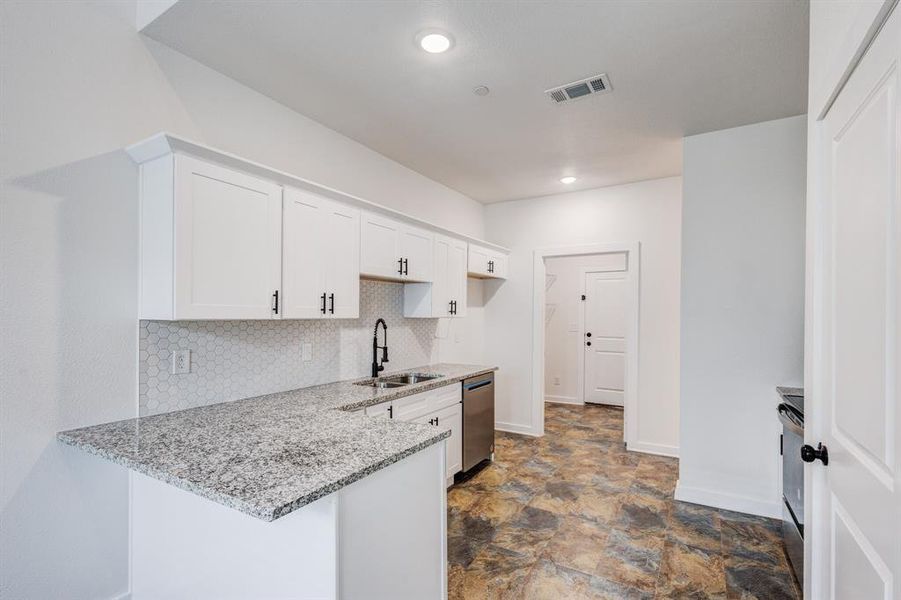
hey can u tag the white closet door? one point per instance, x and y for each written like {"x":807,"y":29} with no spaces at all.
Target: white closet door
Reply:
{"x":227,"y":243}
{"x":304,"y":267}
{"x":343,"y":260}
{"x":855,"y":221}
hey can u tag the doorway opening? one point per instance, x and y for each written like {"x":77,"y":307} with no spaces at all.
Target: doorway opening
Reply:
{"x":585,"y":329}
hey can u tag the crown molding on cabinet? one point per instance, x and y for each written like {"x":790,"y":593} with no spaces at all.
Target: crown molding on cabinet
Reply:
{"x":164,"y":143}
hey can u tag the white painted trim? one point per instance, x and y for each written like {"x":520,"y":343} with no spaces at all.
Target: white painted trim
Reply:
{"x":165,"y":143}
{"x":734,"y":502}
{"x":516,"y":428}
{"x":562,"y":400}
{"x":123,"y":596}
{"x":651,"y":448}
{"x":633,"y":252}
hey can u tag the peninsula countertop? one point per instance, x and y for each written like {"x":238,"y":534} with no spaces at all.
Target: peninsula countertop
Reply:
{"x":270,"y":455}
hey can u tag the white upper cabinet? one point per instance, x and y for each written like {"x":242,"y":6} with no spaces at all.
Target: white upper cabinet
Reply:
{"x":446,"y":295}
{"x":224,"y":238}
{"x":393,"y":250}
{"x":210,"y":242}
{"x":321,"y":257}
{"x":486,"y":263}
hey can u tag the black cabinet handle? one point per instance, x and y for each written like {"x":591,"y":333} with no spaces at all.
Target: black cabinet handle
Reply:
{"x":390,"y":411}
{"x":491,"y":266}
{"x":451,"y":309}
{"x":275,"y":305}
{"x":810,"y":454}
{"x":331,"y":299}
{"x":406,"y":267}
{"x":436,"y":421}
{"x":323,"y":303}
{"x":400,"y":266}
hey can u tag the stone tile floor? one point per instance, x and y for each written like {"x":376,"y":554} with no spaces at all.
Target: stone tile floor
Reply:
{"x":573,"y":515}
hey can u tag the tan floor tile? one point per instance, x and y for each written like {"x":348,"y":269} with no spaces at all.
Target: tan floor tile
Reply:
{"x":578,"y":544}
{"x":690,"y":572}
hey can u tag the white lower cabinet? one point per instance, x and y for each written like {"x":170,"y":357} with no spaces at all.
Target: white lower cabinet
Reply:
{"x":441,"y":408}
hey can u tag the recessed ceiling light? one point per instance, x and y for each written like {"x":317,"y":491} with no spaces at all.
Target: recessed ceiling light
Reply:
{"x":434,"y":41}
{"x":568,"y":179}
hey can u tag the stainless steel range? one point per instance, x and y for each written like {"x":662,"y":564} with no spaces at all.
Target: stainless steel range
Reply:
{"x":791,"y":414}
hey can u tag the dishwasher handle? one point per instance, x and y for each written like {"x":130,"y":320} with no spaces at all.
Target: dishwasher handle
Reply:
{"x":477,"y":384}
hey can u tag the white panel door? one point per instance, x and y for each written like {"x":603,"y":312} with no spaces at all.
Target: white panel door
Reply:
{"x":456,"y":276}
{"x":606,"y":309}
{"x":227,"y":243}
{"x":342,"y":258}
{"x":379,"y":246}
{"x":303,"y":262}
{"x":416,"y":252}
{"x":855,"y":532}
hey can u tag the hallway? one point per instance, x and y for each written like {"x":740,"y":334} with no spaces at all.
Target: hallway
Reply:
{"x":573,"y":515}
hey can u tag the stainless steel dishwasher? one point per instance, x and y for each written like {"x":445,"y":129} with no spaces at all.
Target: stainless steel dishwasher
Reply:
{"x":478,"y":420}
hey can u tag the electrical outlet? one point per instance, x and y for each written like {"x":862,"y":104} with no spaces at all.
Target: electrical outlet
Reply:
{"x":181,"y":362}
{"x":306,"y":353}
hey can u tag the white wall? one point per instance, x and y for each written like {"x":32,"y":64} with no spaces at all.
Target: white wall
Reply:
{"x":78,"y":84}
{"x":742,"y":308}
{"x":648,"y":212}
{"x":563,"y":343}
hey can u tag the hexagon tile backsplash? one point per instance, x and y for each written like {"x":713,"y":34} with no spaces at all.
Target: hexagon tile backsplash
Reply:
{"x":240,"y":359}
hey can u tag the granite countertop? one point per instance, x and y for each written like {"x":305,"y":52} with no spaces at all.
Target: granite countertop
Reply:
{"x":270,"y":455}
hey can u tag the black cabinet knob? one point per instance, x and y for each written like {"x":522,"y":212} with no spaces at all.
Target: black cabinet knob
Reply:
{"x":810,"y":454}
{"x":587,"y":343}
{"x":588,"y":334}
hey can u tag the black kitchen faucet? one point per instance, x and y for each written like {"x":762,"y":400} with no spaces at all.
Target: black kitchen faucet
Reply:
{"x":376,"y":366}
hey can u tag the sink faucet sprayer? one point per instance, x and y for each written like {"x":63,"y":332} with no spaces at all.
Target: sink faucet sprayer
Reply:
{"x":376,"y":367}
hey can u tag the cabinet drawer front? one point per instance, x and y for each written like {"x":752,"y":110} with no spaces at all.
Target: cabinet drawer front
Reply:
{"x":446,"y":396}
{"x":411,"y":407}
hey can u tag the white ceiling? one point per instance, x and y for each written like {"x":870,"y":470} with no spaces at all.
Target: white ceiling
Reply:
{"x":677,"y":68}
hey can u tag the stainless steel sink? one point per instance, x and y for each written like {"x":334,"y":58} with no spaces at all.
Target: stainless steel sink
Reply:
{"x":395,"y":381}
{"x":381,"y":384}
{"x":410,"y":378}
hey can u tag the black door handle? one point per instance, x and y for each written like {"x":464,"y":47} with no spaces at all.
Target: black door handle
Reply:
{"x":810,"y":454}
{"x":331,"y":299}
{"x":323,"y":303}
{"x":400,"y":266}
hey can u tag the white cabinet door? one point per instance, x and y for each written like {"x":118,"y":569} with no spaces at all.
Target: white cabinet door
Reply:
{"x":478,"y":260}
{"x":383,"y":410}
{"x":303,"y":271}
{"x":456,"y":276}
{"x":497,"y":266}
{"x":415,"y":250}
{"x":227,"y":243}
{"x":320,"y":265}
{"x":451,"y":419}
{"x":342,"y":259}
{"x":441,"y":285}
{"x":379,"y":247}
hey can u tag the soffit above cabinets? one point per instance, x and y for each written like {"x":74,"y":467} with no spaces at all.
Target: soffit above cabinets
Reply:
{"x":166,"y":143}
{"x":677,"y":69}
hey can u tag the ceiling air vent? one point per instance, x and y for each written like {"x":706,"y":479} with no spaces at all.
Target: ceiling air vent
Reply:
{"x":597,"y":84}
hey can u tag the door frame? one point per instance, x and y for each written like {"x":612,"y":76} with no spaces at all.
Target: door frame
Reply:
{"x":633,"y":304}
{"x":539,"y":271}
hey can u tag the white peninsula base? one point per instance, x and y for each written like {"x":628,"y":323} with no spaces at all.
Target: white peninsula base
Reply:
{"x":382,"y":537}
